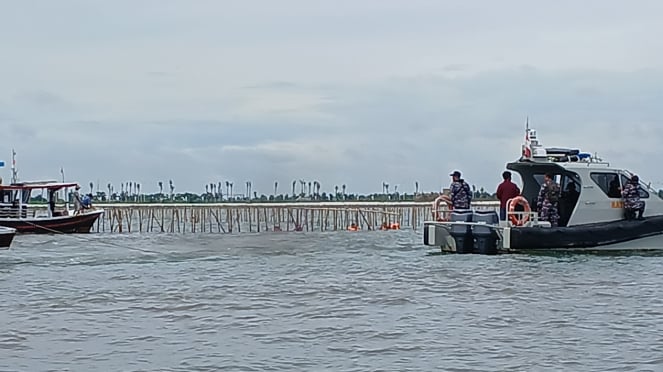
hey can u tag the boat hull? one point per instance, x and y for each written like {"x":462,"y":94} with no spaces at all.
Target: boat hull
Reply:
{"x":644,"y":234}
{"x":585,"y":236}
{"x":80,"y":223}
{"x":6,"y":237}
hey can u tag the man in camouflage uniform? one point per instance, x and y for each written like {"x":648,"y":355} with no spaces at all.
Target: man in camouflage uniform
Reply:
{"x":632,"y":202}
{"x":461,"y":196}
{"x":547,"y":202}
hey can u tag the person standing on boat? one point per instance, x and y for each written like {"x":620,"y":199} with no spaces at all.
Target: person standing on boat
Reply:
{"x":505,"y":191}
{"x":461,"y":195}
{"x":631,"y":196}
{"x":78,"y":204}
{"x":547,"y":204}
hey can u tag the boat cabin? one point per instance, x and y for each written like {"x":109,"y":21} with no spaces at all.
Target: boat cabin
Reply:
{"x":15,"y":198}
{"x":590,"y":188}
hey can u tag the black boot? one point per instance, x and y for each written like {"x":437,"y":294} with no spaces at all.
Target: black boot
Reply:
{"x":640,"y":212}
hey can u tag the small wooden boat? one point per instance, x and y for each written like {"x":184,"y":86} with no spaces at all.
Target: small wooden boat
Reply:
{"x":16,"y":211}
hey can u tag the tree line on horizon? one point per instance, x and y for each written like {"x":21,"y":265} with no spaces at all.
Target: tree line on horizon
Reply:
{"x":300,"y":190}
{"x":130,"y":192}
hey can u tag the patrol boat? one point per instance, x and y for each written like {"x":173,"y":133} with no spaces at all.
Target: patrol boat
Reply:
{"x":591,"y":216}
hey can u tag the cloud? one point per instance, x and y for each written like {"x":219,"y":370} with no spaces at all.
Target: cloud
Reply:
{"x":343,"y":93}
{"x":397,"y":131}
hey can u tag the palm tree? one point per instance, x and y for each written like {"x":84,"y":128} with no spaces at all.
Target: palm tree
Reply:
{"x":309,"y":188}
{"x":336,"y":192}
{"x":206,"y":189}
{"x":315,"y":189}
{"x":294,"y":183}
{"x":160,"y":187}
{"x":219,"y":188}
{"x":231,"y":189}
{"x":276,"y":186}
{"x":91,"y":187}
{"x":416,"y":187}
{"x":228,"y":189}
{"x":343,"y":187}
{"x":138,"y":192}
{"x":110,"y":190}
{"x":386,"y":187}
{"x":172,"y":188}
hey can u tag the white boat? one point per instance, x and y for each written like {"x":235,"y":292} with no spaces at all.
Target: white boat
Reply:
{"x":592,"y":220}
{"x":6,"y":236}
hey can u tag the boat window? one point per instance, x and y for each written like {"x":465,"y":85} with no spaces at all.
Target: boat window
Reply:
{"x":608,"y":182}
{"x":643,"y":193}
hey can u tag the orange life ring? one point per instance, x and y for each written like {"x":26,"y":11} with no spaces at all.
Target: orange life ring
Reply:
{"x":395,"y":226}
{"x":436,"y":206}
{"x":511,"y":205}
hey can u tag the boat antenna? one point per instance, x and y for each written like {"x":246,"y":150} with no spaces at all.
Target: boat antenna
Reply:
{"x":14,"y":171}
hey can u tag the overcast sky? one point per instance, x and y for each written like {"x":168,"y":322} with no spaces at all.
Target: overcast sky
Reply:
{"x":343,"y":92}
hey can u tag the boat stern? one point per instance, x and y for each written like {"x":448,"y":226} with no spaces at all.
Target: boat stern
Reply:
{"x":438,"y":234}
{"x":466,"y":232}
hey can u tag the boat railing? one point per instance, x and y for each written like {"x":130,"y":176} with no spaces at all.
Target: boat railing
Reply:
{"x":524,"y":219}
{"x":647,"y":186}
{"x":13,"y":212}
{"x":442,"y":212}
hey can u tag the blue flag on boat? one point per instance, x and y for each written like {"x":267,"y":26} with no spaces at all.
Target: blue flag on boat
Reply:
{"x":2,"y":163}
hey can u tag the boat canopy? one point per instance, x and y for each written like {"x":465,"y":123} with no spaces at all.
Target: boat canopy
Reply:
{"x":38,"y":185}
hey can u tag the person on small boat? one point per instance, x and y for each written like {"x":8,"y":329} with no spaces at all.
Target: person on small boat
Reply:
{"x":505,"y":191}
{"x":547,"y":204}
{"x":461,"y":195}
{"x":632,"y":202}
{"x":77,"y":200}
{"x":87,"y":201}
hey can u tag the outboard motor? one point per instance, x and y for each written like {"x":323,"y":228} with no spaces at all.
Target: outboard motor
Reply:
{"x":462,"y":234}
{"x":486,"y":237}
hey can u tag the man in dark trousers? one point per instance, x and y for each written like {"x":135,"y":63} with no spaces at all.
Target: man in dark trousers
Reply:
{"x":505,"y":191}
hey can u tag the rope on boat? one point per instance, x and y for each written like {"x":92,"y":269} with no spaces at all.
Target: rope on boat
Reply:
{"x":90,"y":240}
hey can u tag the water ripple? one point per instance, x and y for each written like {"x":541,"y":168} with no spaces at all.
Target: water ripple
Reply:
{"x":367,"y":301}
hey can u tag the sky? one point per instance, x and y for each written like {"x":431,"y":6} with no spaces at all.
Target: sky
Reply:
{"x":358,"y":92}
